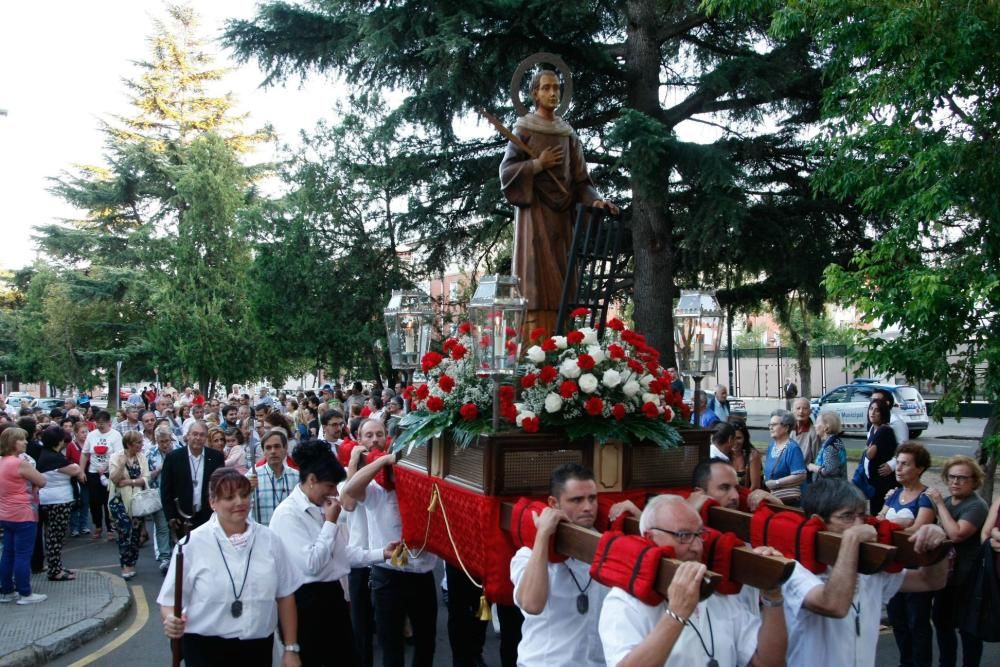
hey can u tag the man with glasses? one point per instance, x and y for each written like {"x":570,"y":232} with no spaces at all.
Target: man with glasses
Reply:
{"x":561,"y":603}
{"x":841,"y":615}
{"x":722,"y":630}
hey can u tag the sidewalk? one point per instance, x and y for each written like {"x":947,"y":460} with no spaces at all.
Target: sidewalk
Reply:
{"x":76,"y":612}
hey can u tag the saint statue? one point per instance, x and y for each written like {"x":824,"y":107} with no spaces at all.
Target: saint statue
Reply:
{"x":545,"y":189}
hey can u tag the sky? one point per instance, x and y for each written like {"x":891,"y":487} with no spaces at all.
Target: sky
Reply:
{"x":61,"y":68}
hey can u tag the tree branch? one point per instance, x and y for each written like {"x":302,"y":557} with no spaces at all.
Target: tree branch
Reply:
{"x":679,"y":28}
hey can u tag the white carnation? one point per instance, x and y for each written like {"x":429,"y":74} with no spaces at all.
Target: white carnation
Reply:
{"x":569,"y":369}
{"x":588,"y":383}
{"x":560,"y":342}
{"x":553,"y":402}
{"x":521,"y":416}
{"x":631,"y":388}
{"x":645,"y":380}
{"x":589,"y":335}
{"x":597,"y":353}
{"x":611,"y":378}
{"x":650,"y":398}
{"x":536,"y":354}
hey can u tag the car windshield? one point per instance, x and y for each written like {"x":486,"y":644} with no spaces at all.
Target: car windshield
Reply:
{"x":908,"y":393}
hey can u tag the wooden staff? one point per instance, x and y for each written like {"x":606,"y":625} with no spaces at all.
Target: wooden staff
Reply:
{"x":183,"y":529}
{"x":764,"y":572}
{"x":516,"y":140}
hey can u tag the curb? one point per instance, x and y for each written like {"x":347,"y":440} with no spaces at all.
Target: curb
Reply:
{"x":72,"y":636}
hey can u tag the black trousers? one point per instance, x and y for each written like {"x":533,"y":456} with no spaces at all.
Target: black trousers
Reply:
{"x":98,"y":501}
{"x":467,"y":634}
{"x":362,"y":615}
{"x":324,"y":625}
{"x":396,"y":596}
{"x":203,"y":651}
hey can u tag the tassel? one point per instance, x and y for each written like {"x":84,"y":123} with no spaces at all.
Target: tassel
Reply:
{"x":484,"y":609}
{"x":394,"y":560}
{"x":434,"y":501}
{"x":404,"y":555}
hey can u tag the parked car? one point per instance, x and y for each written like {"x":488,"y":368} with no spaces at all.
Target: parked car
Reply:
{"x":850,"y":401}
{"x":18,"y":396}
{"x":46,"y":404}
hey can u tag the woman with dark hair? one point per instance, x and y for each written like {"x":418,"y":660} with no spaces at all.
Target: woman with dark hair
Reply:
{"x":306,"y":522}
{"x":746,"y":458}
{"x":881,"y":447}
{"x":18,"y":518}
{"x":235,"y":570}
{"x":56,"y":498}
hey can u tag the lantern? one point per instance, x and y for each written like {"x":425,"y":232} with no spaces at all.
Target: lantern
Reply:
{"x":697,"y":337}
{"x":408,"y":318}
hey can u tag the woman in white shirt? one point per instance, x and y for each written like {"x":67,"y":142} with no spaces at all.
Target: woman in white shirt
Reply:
{"x":56,"y":498}
{"x":306,"y":521}
{"x":234,"y":572}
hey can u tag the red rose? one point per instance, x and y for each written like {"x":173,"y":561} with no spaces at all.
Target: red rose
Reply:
{"x":528,"y":381}
{"x":430,"y":360}
{"x":446,"y":382}
{"x":464,"y":328}
{"x":654,"y":387}
{"x":469,"y":412}
{"x":580,"y":312}
{"x":650,"y":410}
{"x":536,"y":333}
{"x":568,"y":389}
{"x":653,"y":367}
{"x":594,"y":406}
{"x":548,"y":345}
{"x":435,"y":403}
{"x":458,"y":351}
{"x":618,"y":411}
{"x":511,"y":347}
{"x":585,"y":362}
{"x":508,"y":412}
{"x":668,"y":414}
{"x":635,"y":365}
{"x":530,"y":424}
{"x":574,"y":337}
{"x":510,"y":331}
{"x":506,"y":393}
{"x":616,"y":324}
{"x":422,"y":392}
{"x":616,"y":351}
{"x":548,"y":374}
{"x":448,"y":344}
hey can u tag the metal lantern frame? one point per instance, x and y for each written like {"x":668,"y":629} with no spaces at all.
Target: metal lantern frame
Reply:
{"x":496,"y":313}
{"x":697,"y":336}
{"x":409,"y":319}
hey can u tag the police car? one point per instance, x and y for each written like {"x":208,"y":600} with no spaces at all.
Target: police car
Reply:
{"x":850,"y":401}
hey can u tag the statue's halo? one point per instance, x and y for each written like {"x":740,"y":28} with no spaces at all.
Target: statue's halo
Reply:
{"x":526,"y":65}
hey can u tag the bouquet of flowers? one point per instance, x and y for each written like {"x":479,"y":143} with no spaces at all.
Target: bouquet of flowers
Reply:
{"x":610,"y":389}
{"x":454,"y":397}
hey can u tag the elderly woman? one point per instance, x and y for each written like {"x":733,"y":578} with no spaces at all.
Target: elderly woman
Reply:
{"x":18,"y":518}
{"x":909,"y":506}
{"x":128,"y":471}
{"x":962,"y":515}
{"x":163,"y":438}
{"x":238,"y":584}
{"x":56,"y":498}
{"x":831,"y":459}
{"x":784,"y":467}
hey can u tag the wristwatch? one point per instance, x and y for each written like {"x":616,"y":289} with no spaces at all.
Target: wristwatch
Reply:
{"x":293,"y":648}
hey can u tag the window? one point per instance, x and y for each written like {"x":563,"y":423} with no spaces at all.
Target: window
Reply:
{"x":838,"y":395}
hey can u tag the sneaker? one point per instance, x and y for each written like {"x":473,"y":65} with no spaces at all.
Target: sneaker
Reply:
{"x":85,"y":531}
{"x":9,"y":597}
{"x":74,"y":533}
{"x":34,"y":598}
{"x":164,"y":566}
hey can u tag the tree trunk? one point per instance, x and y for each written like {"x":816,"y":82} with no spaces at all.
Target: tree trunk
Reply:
{"x":651,"y":229}
{"x":991,"y":451}
{"x":805,"y":368}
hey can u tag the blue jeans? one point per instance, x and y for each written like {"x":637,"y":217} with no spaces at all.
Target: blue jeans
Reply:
{"x":15,"y":564}
{"x":79,"y":519}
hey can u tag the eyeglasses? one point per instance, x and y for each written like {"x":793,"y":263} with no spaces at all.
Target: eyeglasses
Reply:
{"x":773,"y":424}
{"x":960,"y":479}
{"x":849,"y":517}
{"x":683,"y":536}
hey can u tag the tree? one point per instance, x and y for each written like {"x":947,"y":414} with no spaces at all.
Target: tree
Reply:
{"x":912,"y":134}
{"x":643,"y":69}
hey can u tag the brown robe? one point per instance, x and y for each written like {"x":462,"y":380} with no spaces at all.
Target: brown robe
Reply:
{"x":543,"y":227}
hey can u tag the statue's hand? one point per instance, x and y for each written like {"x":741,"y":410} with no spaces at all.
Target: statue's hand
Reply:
{"x":552,"y":156}
{"x":612,"y":209}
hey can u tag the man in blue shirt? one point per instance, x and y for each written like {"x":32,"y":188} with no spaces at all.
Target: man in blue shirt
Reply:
{"x":706,"y":418}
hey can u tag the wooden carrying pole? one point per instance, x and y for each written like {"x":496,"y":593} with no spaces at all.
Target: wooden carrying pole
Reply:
{"x":762,"y":572}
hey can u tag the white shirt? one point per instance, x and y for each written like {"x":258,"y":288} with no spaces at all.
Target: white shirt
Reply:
{"x":899,"y":427}
{"x":385,"y":525}
{"x":836,"y":637}
{"x":317,"y":547}
{"x":560,"y":635}
{"x":208,"y":594}
{"x":197,"y":466}
{"x":716,"y":453}
{"x":358,"y":548}
{"x":99,"y":462}
{"x":626,"y":622}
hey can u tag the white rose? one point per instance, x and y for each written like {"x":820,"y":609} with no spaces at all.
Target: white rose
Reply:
{"x":611,"y":379}
{"x":588,"y":383}
{"x":589,"y":335}
{"x":631,"y":388}
{"x":597,"y":353}
{"x":553,"y":402}
{"x":521,"y":416}
{"x":560,"y":342}
{"x":536,"y":354}
{"x":569,"y":369}
{"x":645,"y":380}
{"x":651,"y":398}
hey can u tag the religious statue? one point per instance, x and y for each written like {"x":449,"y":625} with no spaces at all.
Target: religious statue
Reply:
{"x":544,"y":174}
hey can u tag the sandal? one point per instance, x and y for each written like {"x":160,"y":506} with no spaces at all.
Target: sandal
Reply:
{"x":64,"y":576}
{"x":96,"y":535}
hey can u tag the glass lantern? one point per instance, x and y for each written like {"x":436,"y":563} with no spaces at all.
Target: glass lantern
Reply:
{"x":496,"y":313}
{"x":408,"y":319}
{"x":697,"y":336}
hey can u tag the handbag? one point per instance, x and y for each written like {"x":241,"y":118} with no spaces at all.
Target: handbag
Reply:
{"x":983,"y":599}
{"x":146,"y":502}
{"x":861,"y":481}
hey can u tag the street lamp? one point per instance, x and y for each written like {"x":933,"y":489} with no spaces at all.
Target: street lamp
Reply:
{"x":697,"y":337}
{"x":408,"y":318}
{"x":496,"y":313}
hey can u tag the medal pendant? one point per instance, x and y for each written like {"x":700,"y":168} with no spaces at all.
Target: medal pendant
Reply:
{"x":713,"y":663}
{"x":236,"y":609}
{"x":857,"y":625}
{"x":582,"y":603}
